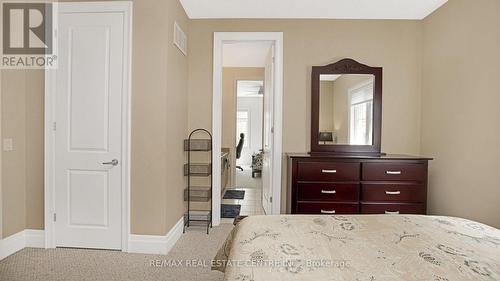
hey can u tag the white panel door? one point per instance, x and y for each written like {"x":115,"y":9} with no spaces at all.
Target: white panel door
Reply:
{"x":88,"y":109}
{"x":268,"y":131}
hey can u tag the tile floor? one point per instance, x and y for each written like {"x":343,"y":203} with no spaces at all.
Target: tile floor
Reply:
{"x":252,"y":202}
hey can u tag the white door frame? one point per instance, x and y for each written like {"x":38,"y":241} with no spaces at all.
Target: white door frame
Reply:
{"x":124,"y":7}
{"x":219,"y":39}
{"x":1,"y":157}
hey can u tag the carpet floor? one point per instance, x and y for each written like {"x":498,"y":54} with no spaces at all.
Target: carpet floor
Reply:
{"x":32,"y":264}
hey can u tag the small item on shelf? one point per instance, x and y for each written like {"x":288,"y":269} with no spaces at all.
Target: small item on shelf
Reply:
{"x":198,"y":193}
{"x":257,"y":163}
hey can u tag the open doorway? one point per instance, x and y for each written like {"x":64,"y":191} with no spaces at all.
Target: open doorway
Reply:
{"x":248,"y":154}
{"x":247,"y":124}
{"x":243,"y":92}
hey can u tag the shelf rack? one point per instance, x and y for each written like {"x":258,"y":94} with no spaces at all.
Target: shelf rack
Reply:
{"x":194,"y":193}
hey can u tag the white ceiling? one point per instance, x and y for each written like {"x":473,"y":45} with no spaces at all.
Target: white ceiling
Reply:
{"x":250,"y":88}
{"x":311,"y":9}
{"x":245,"y":54}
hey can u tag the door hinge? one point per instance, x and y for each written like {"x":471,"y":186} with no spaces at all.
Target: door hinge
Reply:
{"x":55,"y":217}
{"x":54,"y":126}
{"x":272,"y":130}
{"x":271,"y":199}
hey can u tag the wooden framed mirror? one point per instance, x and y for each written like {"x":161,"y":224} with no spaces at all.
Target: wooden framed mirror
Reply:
{"x":346,"y":108}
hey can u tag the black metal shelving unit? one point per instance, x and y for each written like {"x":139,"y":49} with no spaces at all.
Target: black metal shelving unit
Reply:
{"x":194,"y":193}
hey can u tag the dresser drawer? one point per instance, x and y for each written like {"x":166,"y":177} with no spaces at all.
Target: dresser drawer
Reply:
{"x":393,"y":192}
{"x":393,"y":171}
{"x":327,"y":208}
{"x":327,"y":191}
{"x":373,"y":208}
{"x":328,"y":171}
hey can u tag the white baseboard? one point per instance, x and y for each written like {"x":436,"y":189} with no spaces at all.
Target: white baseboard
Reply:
{"x":22,"y":239}
{"x":12,"y":244}
{"x":145,"y":244}
{"x":34,"y":238}
{"x":156,"y":244}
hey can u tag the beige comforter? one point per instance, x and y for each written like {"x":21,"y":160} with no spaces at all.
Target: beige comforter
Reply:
{"x":328,"y":248}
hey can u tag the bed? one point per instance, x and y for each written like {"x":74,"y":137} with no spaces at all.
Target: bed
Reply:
{"x":369,"y":247}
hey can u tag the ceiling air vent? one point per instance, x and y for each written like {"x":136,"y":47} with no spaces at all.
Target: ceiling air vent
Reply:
{"x":180,"y":39}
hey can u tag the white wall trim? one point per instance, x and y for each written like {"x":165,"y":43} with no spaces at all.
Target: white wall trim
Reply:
{"x":34,"y":238}
{"x":156,"y":244}
{"x":145,"y":244}
{"x":1,"y":167}
{"x":126,"y":8}
{"x":219,"y":39}
{"x":12,"y":244}
{"x":16,"y":242}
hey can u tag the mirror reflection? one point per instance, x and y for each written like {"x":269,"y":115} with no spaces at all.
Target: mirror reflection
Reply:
{"x":346,"y":109}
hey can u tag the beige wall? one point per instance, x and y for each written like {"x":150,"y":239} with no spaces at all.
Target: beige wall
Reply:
{"x":230,"y":75}
{"x":149,"y":117}
{"x":159,"y":117}
{"x":34,"y":149}
{"x":394,"y":45}
{"x":14,"y":162}
{"x":159,"y":125}
{"x":461,"y":109}
{"x":177,"y":117}
{"x":22,"y":169}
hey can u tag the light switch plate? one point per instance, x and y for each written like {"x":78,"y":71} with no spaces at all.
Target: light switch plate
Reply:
{"x":8,"y":145}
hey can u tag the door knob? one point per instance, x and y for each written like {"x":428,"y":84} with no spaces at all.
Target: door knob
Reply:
{"x":113,"y":162}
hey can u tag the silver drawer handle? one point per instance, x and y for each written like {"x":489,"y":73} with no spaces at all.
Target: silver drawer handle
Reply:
{"x":392,"y":192}
{"x":328,"y":212}
{"x":392,"y":213}
{"x":329,"y":171}
{"x":328,"y":191}
{"x":393,"y":172}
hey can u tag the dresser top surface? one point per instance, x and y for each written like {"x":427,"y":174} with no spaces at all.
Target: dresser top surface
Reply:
{"x":360,"y":156}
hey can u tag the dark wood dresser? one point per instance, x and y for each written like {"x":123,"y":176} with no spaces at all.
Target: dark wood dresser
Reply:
{"x":388,"y":184}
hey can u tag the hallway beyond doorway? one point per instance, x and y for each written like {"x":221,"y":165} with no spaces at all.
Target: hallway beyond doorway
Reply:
{"x":251,"y":204}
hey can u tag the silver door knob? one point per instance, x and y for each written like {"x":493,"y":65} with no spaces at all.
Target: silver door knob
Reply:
{"x":113,"y":162}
